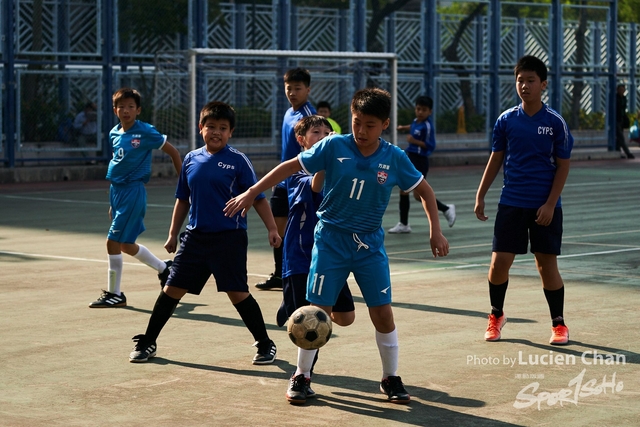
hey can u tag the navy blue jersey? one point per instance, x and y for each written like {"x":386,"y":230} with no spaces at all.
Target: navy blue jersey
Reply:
{"x":131,"y":160}
{"x":357,"y":188}
{"x":531,"y":146}
{"x":207,"y":181}
{"x":422,"y":131}
{"x":298,"y":237}
{"x":290,"y":145}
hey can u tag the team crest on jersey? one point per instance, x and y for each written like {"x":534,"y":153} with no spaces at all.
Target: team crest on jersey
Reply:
{"x":135,"y":143}
{"x":382,"y":177}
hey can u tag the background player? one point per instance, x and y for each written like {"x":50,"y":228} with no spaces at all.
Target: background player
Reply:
{"x":537,"y":143}
{"x":422,"y":142}
{"x":297,"y":87}
{"x":361,"y":170}
{"x":129,"y":169}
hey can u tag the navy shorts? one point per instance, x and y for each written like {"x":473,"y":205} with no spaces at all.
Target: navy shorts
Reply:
{"x":294,"y":291}
{"x":516,"y":227}
{"x":279,"y":201}
{"x":200,"y":255}
{"x":419,"y":162}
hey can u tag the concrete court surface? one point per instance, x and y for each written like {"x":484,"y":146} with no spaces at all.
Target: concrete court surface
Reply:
{"x":63,"y":364}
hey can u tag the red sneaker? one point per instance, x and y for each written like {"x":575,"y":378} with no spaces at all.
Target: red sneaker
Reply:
{"x":559,"y":335}
{"x":494,"y":327}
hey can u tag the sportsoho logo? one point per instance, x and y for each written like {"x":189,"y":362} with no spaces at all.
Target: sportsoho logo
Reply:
{"x":579,"y":387}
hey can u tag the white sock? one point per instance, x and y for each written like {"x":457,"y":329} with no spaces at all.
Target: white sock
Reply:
{"x":389,"y":350}
{"x":305,"y":362}
{"x":114,"y":274}
{"x":145,"y":256}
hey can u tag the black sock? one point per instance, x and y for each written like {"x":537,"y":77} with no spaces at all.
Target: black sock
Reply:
{"x":497,"y":294}
{"x":441,"y":206}
{"x":404,"y":209}
{"x":251,"y":315}
{"x":555,"y":299}
{"x":277,"y":258}
{"x":162,"y":311}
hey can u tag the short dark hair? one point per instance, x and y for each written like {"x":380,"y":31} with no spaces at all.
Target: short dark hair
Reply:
{"x":298,"y":75}
{"x":306,"y":123}
{"x":373,"y":102}
{"x":218,"y":111}
{"x":425,"y":101}
{"x":126,"y":93}
{"x":531,"y":63}
{"x":323,"y":104}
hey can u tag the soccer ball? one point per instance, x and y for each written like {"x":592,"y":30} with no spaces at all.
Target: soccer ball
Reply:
{"x":309,"y":327}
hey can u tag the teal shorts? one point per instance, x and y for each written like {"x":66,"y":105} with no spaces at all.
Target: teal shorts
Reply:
{"x":128,"y":207}
{"x":336,"y":254}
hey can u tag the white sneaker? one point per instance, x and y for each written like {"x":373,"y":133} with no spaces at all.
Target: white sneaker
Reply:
{"x":400,"y":228}
{"x":450,"y":215}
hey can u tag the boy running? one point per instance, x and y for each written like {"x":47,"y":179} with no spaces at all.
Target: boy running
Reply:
{"x":129,"y":170}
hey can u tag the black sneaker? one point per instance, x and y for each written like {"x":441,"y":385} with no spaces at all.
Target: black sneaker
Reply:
{"x":298,"y":388}
{"x":393,"y":388}
{"x":165,"y":273}
{"x":266,"y":352}
{"x":143,"y":350}
{"x":107,"y":299}
{"x":271,"y":283}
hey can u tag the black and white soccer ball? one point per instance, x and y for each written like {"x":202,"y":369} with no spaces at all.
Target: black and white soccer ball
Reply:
{"x":309,"y":327}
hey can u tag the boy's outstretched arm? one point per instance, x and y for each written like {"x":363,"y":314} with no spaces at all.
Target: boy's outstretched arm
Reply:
{"x":180,"y":212}
{"x":174,"y":154}
{"x":264,"y":212}
{"x":545,"y":212}
{"x":317,"y":182}
{"x":490,"y":172}
{"x":439,"y":244}
{"x":243,"y":201}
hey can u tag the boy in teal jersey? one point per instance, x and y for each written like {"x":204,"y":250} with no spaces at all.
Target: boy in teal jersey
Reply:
{"x":129,"y":170}
{"x":361,"y":170}
{"x":532,"y":143}
{"x":212,"y":244}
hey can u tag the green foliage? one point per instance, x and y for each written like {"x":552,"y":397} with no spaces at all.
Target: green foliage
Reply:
{"x":447,"y":122}
{"x":152,"y":18}
{"x":406,"y":116}
{"x":252,"y":122}
{"x":588,"y":121}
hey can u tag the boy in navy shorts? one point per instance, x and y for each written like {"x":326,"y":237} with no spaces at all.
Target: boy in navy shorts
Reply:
{"x":212,"y":243}
{"x":361,"y":170}
{"x":422,"y":142}
{"x":297,"y":86}
{"x":533,"y":145}
{"x":129,"y":170}
{"x":305,"y":196}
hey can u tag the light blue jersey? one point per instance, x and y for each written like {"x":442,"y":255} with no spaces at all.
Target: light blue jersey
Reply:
{"x":531,"y":146}
{"x":131,"y":160}
{"x":357,"y":188}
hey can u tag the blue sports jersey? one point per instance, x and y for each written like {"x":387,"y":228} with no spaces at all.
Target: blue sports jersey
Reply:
{"x":357,"y":188}
{"x":422,"y":131}
{"x":208,"y":181}
{"x":131,"y":160}
{"x":531,"y":146}
{"x":298,"y":237}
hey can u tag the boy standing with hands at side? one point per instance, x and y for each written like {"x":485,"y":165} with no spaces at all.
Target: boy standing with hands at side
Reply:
{"x":533,"y":145}
{"x":361,"y":170}
{"x":422,"y":142}
{"x":297,"y":86}
{"x":129,"y":170}
{"x":212,"y":243}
